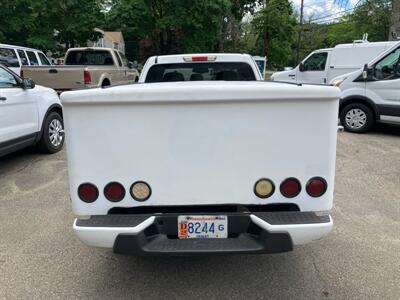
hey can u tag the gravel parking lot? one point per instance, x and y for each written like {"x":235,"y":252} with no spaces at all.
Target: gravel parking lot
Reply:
{"x":41,"y":259}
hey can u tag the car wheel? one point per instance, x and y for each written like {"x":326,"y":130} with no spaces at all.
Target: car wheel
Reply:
{"x":52,"y":139}
{"x":357,"y":117}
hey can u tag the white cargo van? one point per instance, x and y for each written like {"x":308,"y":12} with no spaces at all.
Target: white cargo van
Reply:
{"x":14,"y":57}
{"x":371,"y":94}
{"x":322,"y":65}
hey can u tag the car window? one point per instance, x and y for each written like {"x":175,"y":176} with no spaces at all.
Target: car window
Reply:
{"x":32,"y":58}
{"x":388,"y":68}
{"x":22,"y":57}
{"x":124,"y":59}
{"x":316,"y":62}
{"x":229,"y":71}
{"x":118,"y":58}
{"x":8,"y":58}
{"x":7,"y":79}
{"x":90,"y":58}
{"x":43,"y":59}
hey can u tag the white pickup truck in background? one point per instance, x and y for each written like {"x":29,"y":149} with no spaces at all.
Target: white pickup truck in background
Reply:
{"x":85,"y":68}
{"x":200,"y":67}
{"x":205,"y":167}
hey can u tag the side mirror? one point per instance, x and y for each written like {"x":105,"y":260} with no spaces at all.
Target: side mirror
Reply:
{"x":27,"y":83}
{"x":132,"y":65}
{"x":365,"y":72}
{"x":301,"y":67}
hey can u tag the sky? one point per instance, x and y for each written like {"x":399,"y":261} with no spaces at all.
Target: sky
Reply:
{"x":324,"y":10}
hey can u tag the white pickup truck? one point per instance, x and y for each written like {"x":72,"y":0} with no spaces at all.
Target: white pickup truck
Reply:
{"x":210,"y":167}
{"x":85,"y":68}
{"x":199,"y":67}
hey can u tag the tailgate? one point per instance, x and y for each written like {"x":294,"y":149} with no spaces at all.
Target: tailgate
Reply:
{"x":201,"y":143}
{"x":60,"y":78}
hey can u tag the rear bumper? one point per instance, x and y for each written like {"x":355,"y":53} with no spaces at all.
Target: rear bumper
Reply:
{"x":267,"y":232}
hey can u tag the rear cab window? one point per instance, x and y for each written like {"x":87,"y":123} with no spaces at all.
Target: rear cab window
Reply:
{"x":228,"y":71}
{"x":89,"y":58}
{"x":32,"y":58}
{"x":23,"y":57}
{"x":9,"y":58}
{"x":43,"y":59}
{"x":118,"y":58}
{"x":124,"y":59}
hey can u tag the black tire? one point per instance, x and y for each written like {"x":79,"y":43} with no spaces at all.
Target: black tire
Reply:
{"x":45,"y":144}
{"x":105,"y":83}
{"x":365,"y":115}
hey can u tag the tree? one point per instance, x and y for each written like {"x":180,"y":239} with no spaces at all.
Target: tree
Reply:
{"x":169,"y":26}
{"x":38,"y":24}
{"x":275,"y":24}
{"x":371,"y":16}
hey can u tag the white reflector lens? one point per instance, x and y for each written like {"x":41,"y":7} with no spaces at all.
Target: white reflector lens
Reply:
{"x":140,"y":191}
{"x":264,"y":188}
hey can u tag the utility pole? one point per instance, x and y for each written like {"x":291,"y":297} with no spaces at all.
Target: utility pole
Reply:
{"x":300,"y":31}
{"x":394,"y":30}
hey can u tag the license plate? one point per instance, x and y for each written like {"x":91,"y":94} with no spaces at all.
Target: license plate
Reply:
{"x":202,"y":227}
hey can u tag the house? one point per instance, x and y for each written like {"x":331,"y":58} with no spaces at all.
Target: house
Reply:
{"x":109,"y":39}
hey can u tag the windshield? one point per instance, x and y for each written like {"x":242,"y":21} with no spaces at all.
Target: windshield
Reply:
{"x":229,"y":71}
{"x":89,"y":57}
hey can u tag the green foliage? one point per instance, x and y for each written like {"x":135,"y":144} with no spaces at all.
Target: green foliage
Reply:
{"x":275,"y":27}
{"x":372,"y":17}
{"x":169,"y":26}
{"x":259,"y":27}
{"x":34,"y":22}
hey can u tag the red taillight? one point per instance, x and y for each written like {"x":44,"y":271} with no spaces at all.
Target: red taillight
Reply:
{"x":114,"y":191}
{"x":21,"y":73}
{"x":199,"y":58}
{"x":290,"y":187}
{"x":87,"y":79}
{"x":316,"y":186}
{"x":88,"y":192}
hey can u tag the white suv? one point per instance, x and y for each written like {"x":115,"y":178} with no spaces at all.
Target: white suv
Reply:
{"x":14,"y":57}
{"x":29,"y":115}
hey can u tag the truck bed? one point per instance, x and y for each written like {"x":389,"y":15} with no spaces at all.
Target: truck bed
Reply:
{"x":59,"y":78}
{"x":201,"y":143}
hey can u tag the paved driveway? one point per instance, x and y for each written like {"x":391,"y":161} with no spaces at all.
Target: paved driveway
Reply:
{"x":41,"y":259}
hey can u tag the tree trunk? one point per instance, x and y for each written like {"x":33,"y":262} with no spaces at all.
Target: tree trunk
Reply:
{"x":394,"y":29}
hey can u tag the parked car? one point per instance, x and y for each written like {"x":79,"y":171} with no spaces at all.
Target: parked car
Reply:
{"x":322,"y":65}
{"x":14,"y":57}
{"x":198,"y":67}
{"x":85,"y":68}
{"x":201,"y":167}
{"x":29,"y":115}
{"x":371,"y":94}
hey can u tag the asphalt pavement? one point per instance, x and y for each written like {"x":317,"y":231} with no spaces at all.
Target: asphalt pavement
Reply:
{"x":40,"y":258}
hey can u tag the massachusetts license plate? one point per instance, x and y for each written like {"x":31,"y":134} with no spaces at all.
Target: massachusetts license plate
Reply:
{"x":200,"y":227}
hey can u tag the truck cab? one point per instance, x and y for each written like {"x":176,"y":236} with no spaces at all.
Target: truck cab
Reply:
{"x":313,"y":69}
